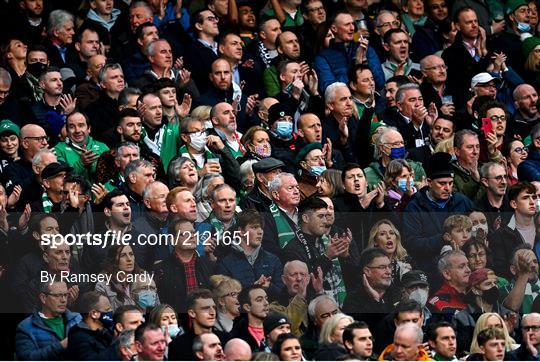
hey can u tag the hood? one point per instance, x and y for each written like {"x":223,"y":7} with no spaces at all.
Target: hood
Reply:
{"x":107,"y":24}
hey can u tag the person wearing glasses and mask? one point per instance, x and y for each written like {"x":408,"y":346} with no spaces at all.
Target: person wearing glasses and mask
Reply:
{"x":43,"y":335}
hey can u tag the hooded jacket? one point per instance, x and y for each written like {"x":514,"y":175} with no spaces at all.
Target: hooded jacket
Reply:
{"x":386,"y":355}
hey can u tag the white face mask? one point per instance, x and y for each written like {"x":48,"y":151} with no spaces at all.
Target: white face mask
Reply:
{"x":537,"y":204}
{"x":420,"y":295}
{"x":476,"y":228}
{"x":198,"y":141}
{"x":208,"y":124}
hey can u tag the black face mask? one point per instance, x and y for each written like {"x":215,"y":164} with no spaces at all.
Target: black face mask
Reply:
{"x":491,"y":295}
{"x":36,"y":68}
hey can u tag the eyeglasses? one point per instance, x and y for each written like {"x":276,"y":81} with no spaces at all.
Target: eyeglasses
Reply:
{"x":521,"y":150}
{"x":389,"y":23}
{"x":59,"y":295}
{"x":316,"y":10}
{"x":395,"y":144}
{"x":39,"y":139}
{"x":498,"y":118}
{"x":381,"y":267}
{"x":531,"y":328}
{"x":212,"y":18}
{"x":499,"y":178}
{"x":438,"y":67}
{"x":198,"y":133}
{"x":480,"y":255}
{"x":329,"y":314}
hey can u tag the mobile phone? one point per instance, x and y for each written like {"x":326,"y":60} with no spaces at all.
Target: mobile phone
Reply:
{"x":487,"y":126}
{"x":416,"y":73}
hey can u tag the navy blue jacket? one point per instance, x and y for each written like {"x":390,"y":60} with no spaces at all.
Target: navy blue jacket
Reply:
{"x":236,"y":265}
{"x":423,"y":225}
{"x":34,"y":340}
{"x":332,"y":65}
{"x":529,"y":170}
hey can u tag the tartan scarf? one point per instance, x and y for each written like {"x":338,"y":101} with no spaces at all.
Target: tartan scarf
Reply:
{"x":284,"y":229}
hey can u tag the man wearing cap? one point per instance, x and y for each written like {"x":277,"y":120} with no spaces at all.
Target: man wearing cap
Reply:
{"x":32,"y":139}
{"x":415,"y":286}
{"x":484,"y":84}
{"x":274,"y":325}
{"x":518,"y":26}
{"x":52,"y":180}
{"x":311,"y":162}
{"x":280,"y":124}
{"x":259,"y":198}
{"x":482,"y":297}
{"x":9,"y":135}
{"x":425,"y":214}
{"x":80,"y":150}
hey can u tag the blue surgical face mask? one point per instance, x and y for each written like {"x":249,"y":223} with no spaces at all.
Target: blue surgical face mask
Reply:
{"x":106,"y":318}
{"x":173,"y":330}
{"x":284,"y":129}
{"x":523,"y":27}
{"x":402,"y":184}
{"x":147,"y":298}
{"x":317,"y":170}
{"x":397,"y":153}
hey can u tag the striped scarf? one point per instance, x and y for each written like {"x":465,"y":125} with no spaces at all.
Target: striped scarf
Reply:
{"x":284,"y":229}
{"x":47,"y":203}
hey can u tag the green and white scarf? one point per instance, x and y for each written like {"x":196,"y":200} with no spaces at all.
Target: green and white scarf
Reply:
{"x":47,"y":203}
{"x":284,"y":229}
{"x":335,"y":276}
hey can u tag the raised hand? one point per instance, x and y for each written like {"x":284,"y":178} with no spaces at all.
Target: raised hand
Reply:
{"x":15,"y":196}
{"x":182,"y":109}
{"x":68,"y":103}
{"x":99,"y":191}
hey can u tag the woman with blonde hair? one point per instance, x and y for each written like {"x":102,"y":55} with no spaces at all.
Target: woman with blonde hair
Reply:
{"x":489,"y":320}
{"x":225,"y":290}
{"x":330,"y":339}
{"x":384,"y":235}
{"x":203,"y":113}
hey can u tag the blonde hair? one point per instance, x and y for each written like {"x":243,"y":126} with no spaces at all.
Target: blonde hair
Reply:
{"x":201,"y":112}
{"x":330,"y":325}
{"x":446,"y":146}
{"x":222,"y":285}
{"x":454,"y":222}
{"x":481,"y":324}
{"x":530,"y":63}
{"x":400,"y":253}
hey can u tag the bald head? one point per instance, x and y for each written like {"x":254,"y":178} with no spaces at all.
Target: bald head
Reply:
{"x":525,"y":99}
{"x":237,"y":350}
{"x":33,"y":138}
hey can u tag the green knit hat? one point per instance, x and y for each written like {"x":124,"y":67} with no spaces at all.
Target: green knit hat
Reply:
{"x":512,"y":5}
{"x":529,"y":44}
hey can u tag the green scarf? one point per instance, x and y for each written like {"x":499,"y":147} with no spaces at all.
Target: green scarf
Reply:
{"x":284,"y":229}
{"x":185,"y":153}
{"x":335,"y":277}
{"x":218,"y":224}
{"x":46,"y":202}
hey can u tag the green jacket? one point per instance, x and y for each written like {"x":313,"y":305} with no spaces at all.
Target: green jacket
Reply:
{"x":374,"y":173}
{"x":289,"y":21}
{"x":465,"y":183}
{"x":271,"y":81}
{"x":170,"y":145}
{"x":71,"y":154}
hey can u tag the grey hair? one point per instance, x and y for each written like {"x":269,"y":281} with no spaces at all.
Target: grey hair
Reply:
{"x":123,"y":98}
{"x":444,"y":261}
{"x":57,"y":19}
{"x":38,"y":157}
{"x":330,"y":92}
{"x":107,"y":67}
{"x":293,"y":262}
{"x":150,"y":49}
{"x":134,"y":166}
{"x":410,"y":326}
{"x":400,"y":94}
{"x":275,"y":184}
{"x":246,"y":168}
{"x":184,"y":125}
{"x":120,"y":148}
{"x":486,"y":168}
{"x":218,"y":189}
{"x":148,"y":190}
{"x":202,"y":186}
{"x":382,"y":12}
{"x":423,"y":61}
{"x":142,"y":4}
{"x":5,"y":77}
{"x":380,"y":140}
{"x":174,"y":168}
{"x":515,"y":94}
{"x":313,"y":304}
{"x":126,"y":337}
{"x":459,"y":137}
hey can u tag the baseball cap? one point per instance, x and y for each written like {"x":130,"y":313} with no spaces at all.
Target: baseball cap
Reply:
{"x":8,"y":126}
